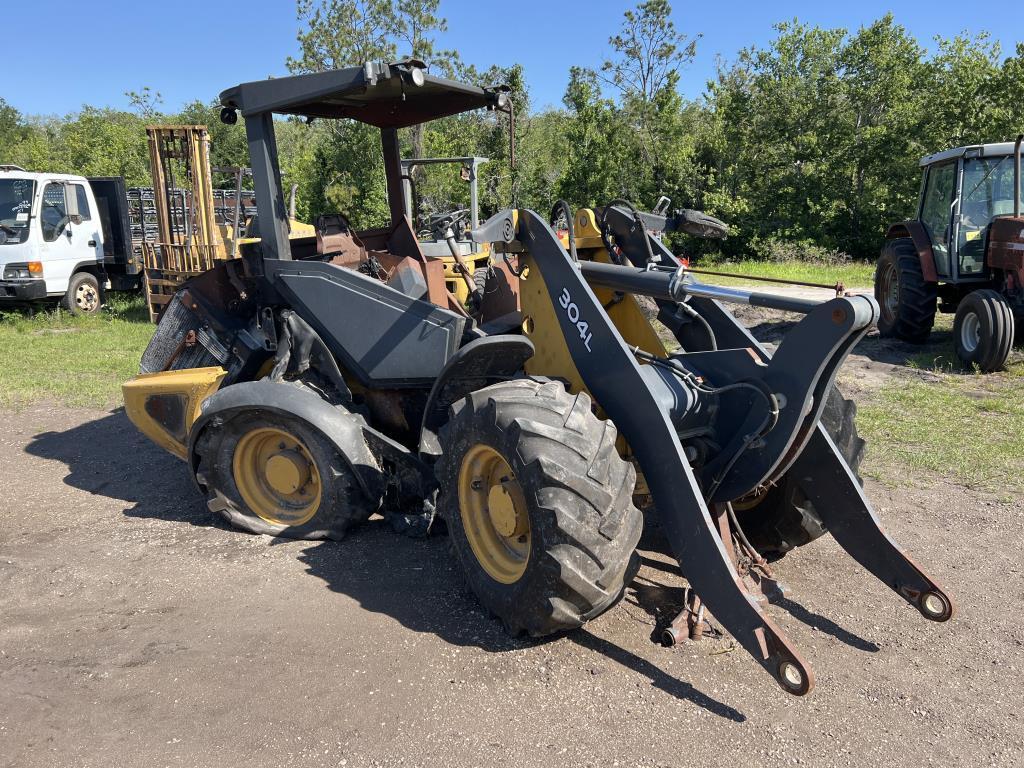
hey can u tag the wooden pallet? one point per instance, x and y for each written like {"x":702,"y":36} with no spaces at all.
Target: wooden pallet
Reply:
{"x":168,"y":265}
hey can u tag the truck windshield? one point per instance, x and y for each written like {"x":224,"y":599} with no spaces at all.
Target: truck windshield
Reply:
{"x":15,"y":206}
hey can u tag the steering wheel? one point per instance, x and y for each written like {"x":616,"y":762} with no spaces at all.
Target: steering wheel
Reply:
{"x":439,"y":224}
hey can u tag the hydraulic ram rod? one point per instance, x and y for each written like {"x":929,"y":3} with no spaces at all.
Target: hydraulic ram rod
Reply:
{"x":670,"y":284}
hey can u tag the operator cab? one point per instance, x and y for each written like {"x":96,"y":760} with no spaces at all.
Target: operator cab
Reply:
{"x":962,"y":191}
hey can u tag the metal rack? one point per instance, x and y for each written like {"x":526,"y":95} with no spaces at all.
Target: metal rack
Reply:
{"x":182,"y":209}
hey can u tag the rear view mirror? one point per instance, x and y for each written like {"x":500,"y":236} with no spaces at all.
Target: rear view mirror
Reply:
{"x":71,"y":203}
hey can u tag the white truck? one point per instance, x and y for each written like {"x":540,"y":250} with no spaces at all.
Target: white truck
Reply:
{"x":65,"y":238}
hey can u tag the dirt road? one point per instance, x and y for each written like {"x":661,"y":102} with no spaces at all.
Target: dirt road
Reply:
{"x":136,"y":629}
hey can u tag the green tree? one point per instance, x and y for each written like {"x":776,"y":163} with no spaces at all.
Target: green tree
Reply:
{"x":649,"y":51}
{"x":145,"y":102}
{"x":342,"y":33}
{"x":13,"y":131}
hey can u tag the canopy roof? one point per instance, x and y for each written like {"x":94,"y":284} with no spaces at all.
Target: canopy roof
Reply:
{"x":384,"y":95}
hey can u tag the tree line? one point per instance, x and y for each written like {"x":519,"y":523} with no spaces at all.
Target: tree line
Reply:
{"x":806,"y":147}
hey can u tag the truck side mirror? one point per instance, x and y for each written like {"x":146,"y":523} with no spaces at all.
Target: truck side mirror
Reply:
{"x":71,"y":203}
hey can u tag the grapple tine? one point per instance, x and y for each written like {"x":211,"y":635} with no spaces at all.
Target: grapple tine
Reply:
{"x":847,"y":513}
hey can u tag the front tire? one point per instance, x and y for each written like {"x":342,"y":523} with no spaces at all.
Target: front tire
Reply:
{"x":539,"y":505}
{"x":906,"y":302}
{"x":784,"y":518}
{"x":84,"y":296}
{"x":277,"y":475}
{"x":983,"y":330}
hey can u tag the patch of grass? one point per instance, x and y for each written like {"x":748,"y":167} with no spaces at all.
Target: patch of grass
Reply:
{"x":82,"y":361}
{"x":851,"y":274}
{"x":968,"y":428}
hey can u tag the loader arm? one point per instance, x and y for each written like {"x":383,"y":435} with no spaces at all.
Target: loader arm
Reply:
{"x":614,"y":377}
{"x":635,"y":400}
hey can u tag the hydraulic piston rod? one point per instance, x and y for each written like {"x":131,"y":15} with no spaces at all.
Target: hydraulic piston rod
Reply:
{"x":671,"y":284}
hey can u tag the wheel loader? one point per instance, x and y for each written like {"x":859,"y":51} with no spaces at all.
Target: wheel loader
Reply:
{"x":314,"y":382}
{"x":962,"y":254}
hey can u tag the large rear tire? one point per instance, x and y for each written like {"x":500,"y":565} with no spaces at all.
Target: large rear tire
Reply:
{"x":906,"y":301}
{"x":983,"y":330}
{"x":784,"y":518}
{"x":277,"y":475}
{"x":539,"y":505}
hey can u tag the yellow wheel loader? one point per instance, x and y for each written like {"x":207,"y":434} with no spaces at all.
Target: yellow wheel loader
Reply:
{"x":314,"y":382}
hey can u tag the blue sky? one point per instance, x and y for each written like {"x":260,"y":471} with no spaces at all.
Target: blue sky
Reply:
{"x":73,"y":53}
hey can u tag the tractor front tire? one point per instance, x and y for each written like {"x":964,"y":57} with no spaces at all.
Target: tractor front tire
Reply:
{"x":983,"y":330}
{"x":784,"y":518}
{"x":905,"y":300}
{"x":278,"y":475}
{"x":539,"y":505}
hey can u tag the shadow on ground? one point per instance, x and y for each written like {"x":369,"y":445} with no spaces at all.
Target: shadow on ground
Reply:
{"x":415,"y":581}
{"x":109,"y":457}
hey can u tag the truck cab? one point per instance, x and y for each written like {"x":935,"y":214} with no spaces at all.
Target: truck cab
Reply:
{"x":57,"y":238}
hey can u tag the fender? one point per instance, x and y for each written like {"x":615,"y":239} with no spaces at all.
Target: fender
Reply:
{"x":915,"y":231}
{"x":92,"y":267}
{"x":345,"y":430}
{"x":477,"y":364}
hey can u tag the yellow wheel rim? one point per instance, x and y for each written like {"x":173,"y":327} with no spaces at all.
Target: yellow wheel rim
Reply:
{"x":748,"y":503}
{"x":494,"y":515}
{"x":276,"y":476}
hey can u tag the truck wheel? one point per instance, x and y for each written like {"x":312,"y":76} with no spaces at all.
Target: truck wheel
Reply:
{"x":277,"y":475}
{"x":784,"y":518}
{"x":906,"y":301}
{"x":983,"y":330}
{"x":83,"y":296}
{"x":539,"y":505}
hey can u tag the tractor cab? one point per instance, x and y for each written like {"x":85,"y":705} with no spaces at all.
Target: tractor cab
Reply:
{"x":962,"y":191}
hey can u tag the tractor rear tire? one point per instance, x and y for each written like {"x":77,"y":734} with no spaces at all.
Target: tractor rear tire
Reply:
{"x":905,"y":300}
{"x":539,"y":505}
{"x":785,"y":518}
{"x":248,"y":464}
{"x":983,"y":330}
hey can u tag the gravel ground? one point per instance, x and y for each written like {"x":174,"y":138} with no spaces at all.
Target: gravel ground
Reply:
{"x":136,"y":629}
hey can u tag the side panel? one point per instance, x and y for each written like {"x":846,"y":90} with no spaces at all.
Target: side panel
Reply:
{"x":381,"y":335}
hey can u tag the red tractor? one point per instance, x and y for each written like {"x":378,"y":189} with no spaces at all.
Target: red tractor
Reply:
{"x":963,"y":253}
